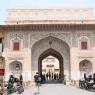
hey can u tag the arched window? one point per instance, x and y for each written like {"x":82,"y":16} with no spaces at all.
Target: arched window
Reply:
{"x":15,"y":68}
{"x":84,"y":43}
{"x":16,"y":46}
{"x":85,"y":67}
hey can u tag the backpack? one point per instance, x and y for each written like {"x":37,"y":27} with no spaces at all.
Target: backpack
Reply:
{"x":37,"y":78}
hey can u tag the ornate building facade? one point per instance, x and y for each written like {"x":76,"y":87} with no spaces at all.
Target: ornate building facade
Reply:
{"x":30,"y":35}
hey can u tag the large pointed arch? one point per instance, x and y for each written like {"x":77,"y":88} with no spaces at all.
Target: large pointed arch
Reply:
{"x":58,"y":48}
{"x":54,"y":53}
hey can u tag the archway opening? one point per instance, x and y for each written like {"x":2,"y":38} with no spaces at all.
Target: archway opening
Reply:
{"x":55,"y":47}
{"x":15,"y":68}
{"x":85,"y":67}
{"x":50,"y":66}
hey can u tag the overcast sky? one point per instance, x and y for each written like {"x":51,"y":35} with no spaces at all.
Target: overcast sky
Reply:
{"x":6,"y":4}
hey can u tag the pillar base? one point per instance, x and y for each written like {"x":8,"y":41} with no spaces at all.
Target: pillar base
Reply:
{"x":75,"y":83}
{"x":67,"y":82}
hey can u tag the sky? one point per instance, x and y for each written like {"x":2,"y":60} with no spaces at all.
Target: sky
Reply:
{"x":6,"y":4}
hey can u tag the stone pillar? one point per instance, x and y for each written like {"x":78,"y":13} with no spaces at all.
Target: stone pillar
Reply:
{"x":93,"y":64}
{"x":74,"y":66}
{"x":7,"y":72}
{"x":27,"y":66}
{"x":2,"y":68}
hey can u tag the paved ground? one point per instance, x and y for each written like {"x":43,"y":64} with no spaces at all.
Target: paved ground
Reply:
{"x":57,"y":89}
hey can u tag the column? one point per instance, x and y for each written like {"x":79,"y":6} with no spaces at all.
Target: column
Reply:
{"x":74,"y":65}
{"x":27,"y":67}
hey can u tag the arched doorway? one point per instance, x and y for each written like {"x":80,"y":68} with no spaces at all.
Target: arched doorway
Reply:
{"x":15,"y":68}
{"x":85,"y":67}
{"x":50,"y":65}
{"x":54,"y":53}
{"x":51,"y":46}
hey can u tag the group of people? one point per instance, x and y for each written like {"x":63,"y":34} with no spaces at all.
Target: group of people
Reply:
{"x":15,"y":85}
{"x":88,"y":82}
{"x":48,"y":76}
{"x":51,"y":76}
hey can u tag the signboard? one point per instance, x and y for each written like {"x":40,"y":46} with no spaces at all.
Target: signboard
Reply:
{"x":2,"y":72}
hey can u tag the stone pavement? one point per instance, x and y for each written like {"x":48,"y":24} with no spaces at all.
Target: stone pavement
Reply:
{"x":57,"y":89}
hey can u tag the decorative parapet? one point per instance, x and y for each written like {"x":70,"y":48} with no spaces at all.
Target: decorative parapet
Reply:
{"x":47,"y":16}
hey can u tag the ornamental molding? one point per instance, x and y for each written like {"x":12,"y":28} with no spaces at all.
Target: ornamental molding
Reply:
{"x":15,"y":59}
{"x":35,"y":37}
{"x":16,"y":35}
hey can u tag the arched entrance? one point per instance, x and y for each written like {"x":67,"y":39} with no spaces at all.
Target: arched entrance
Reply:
{"x":54,"y":53}
{"x":15,"y":68}
{"x":85,"y":66}
{"x":54,"y":47}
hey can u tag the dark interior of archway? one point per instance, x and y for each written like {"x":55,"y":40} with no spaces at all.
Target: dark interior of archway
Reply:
{"x":57,"y":55}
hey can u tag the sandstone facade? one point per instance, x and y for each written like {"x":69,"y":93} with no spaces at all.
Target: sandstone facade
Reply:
{"x":34,"y":40}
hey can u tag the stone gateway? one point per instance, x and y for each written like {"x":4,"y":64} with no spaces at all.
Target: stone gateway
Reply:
{"x":32,"y":38}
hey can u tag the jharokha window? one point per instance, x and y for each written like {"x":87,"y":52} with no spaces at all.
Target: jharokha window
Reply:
{"x":16,"y":46}
{"x":84,"y":45}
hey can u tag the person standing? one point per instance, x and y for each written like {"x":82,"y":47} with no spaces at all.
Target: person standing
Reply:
{"x":52,"y":75}
{"x":47,"y":76}
{"x":21,"y":80}
{"x":94,"y":78}
{"x":55,"y":76}
{"x":37,"y":79}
